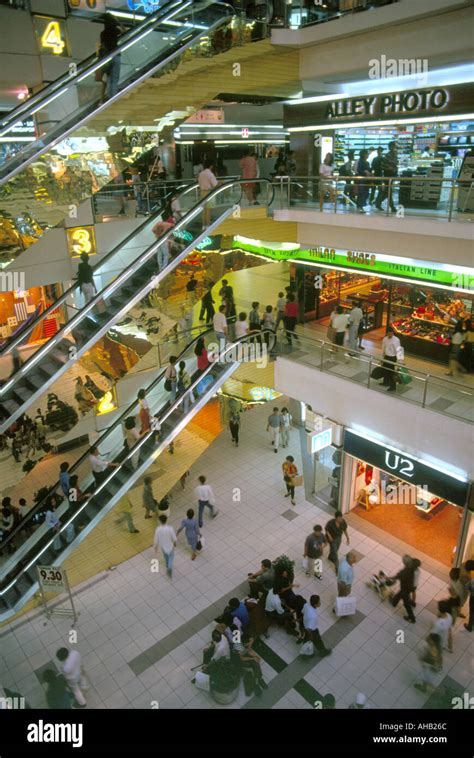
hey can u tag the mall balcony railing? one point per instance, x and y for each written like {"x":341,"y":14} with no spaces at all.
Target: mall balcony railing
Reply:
{"x":140,"y":198}
{"x":301,"y":13}
{"x":420,"y":388}
{"x":405,"y":196}
{"x":32,"y":541}
{"x":129,"y":272}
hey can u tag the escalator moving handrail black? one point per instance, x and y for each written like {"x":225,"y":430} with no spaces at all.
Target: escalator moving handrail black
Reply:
{"x":8,"y":345}
{"x":143,"y":258}
{"x":87,"y":65}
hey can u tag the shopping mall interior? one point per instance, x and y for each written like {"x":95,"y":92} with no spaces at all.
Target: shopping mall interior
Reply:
{"x":237,"y":278}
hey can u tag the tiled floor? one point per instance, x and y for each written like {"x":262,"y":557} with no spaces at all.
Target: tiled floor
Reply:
{"x":125,"y":614}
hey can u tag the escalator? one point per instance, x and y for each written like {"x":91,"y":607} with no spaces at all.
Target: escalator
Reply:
{"x":24,"y":549}
{"x":129,"y":272}
{"x":73,"y":99}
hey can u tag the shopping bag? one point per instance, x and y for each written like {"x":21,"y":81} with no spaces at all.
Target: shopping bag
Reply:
{"x":400,"y":354}
{"x":298,"y":481}
{"x":346,"y":606}
{"x":377,"y":373}
{"x":200,"y":544}
{"x":202,"y":681}
{"x":404,"y":375}
{"x":331,"y":333}
{"x":307,"y":648}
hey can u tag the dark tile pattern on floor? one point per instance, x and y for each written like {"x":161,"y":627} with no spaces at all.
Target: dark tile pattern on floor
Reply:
{"x":289,"y":515}
{"x":163,"y":647}
{"x":295,"y":671}
{"x":443,"y":695}
{"x":440,"y":404}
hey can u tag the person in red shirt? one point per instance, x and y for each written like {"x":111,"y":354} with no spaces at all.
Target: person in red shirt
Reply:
{"x":202,"y":356}
{"x":291,"y":318}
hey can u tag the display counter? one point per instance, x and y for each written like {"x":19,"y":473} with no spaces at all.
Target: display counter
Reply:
{"x":424,"y":338}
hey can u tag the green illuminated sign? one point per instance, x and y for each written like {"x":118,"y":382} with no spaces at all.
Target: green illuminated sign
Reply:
{"x":383,"y":265}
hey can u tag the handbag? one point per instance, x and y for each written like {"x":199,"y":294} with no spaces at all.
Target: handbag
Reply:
{"x":346,"y":606}
{"x":404,"y":375}
{"x":307,"y":648}
{"x":202,"y":681}
{"x":200,"y":543}
{"x":297,"y":481}
{"x":377,"y":373}
{"x":168,"y":385}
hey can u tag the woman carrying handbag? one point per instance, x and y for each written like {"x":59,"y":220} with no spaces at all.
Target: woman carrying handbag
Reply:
{"x":290,"y":471}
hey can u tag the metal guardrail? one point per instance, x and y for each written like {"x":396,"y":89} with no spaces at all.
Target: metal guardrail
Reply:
{"x":301,"y":190}
{"x":313,"y":13}
{"x":330,"y":351}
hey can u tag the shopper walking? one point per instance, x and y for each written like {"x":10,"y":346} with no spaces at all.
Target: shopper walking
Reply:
{"x":468,"y":569}
{"x":58,"y":695}
{"x":458,"y":593}
{"x":149,"y":503}
{"x":355,"y":318}
{"x":406,"y":579}
{"x":274,"y":428}
{"x":286,"y":424}
{"x":335,"y":528}
{"x":234,"y":427}
{"x":339,"y":322}
{"x":165,"y":538}
{"x":291,"y":318}
{"x":219,"y":322}
{"x":192,"y":532}
{"x":85,"y":279}
{"x":458,"y":337}
{"x":99,"y":465}
{"x":183,"y":382}
{"x":144,"y":412}
{"x":290,"y":471}
{"x":255,"y":322}
{"x":311,"y":623}
{"x":326,"y":184}
{"x":171,"y":378}
{"x":207,"y":182}
{"x":389,"y":170}
{"x":202,"y":356}
{"x":241,"y":326}
{"x":71,"y":669}
{"x":376,"y":166}
{"x":431,"y":660}
{"x":109,"y":38}
{"x":206,"y":499}
{"x":313,"y":550}
{"x":345,"y":575}
{"x":390,"y":347}
{"x":125,"y":514}
{"x":248,"y":169}
{"x":280,"y":310}
{"x":363,"y":169}
{"x":207,"y":305}
{"x":443,"y":626}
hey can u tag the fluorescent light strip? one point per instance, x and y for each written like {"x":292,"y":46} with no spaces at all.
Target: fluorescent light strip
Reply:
{"x":17,"y":139}
{"x":249,"y":141}
{"x":130,"y":16}
{"x":382,"y":275}
{"x":229,"y":126}
{"x":315,"y":99}
{"x":375,"y":124}
{"x":366,"y":436}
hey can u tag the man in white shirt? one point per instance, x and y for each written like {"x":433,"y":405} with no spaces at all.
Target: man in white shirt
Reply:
{"x":206,"y":499}
{"x":165,"y":538}
{"x":220,"y":325}
{"x":71,"y":669}
{"x":280,"y":310}
{"x":99,"y":466}
{"x":207,"y":181}
{"x":390,"y":345}
{"x":444,"y":625}
{"x":311,"y":622}
{"x":355,"y":317}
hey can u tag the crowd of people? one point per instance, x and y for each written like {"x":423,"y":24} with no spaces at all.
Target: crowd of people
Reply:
{"x":371,"y":168}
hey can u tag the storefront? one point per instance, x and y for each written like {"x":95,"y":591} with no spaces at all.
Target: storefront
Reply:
{"x":433,"y":128}
{"x":324,"y":444}
{"x":422,"y":300}
{"x":19,"y":306}
{"x":407,"y":497}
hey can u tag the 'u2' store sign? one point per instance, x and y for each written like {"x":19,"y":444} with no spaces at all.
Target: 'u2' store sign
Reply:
{"x":403,"y":466}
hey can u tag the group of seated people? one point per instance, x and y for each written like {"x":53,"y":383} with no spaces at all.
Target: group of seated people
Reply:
{"x":271,"y":600}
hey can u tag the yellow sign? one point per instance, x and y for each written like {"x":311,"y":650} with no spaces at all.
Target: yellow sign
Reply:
{"x":107,"y":403}
{"x":81,"y":239}
{"x":50,"y":35}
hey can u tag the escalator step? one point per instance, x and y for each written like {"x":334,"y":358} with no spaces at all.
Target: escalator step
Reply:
{"x":21,"y":393}
{"x":9,"y":406}
{"x":48,"y":368}
{"x":34,"y":381}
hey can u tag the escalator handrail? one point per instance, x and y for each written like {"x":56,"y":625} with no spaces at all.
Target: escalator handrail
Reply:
{"x":126,"y":273}
{"x":8,"y":345}
{"x":29,"y":107}
{"x":15,"y":165}
{"x":173,"y":406}
{"x":127,"y":412}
